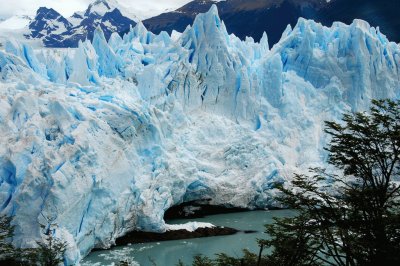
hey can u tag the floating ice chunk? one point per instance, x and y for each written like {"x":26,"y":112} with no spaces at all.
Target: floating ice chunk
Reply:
{"x":190,"y":227}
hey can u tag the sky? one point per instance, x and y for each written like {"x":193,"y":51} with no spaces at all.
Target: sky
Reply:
{"x":143,"y":8}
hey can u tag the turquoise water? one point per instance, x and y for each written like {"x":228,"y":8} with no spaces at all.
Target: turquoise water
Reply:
{"x":168,"y":253}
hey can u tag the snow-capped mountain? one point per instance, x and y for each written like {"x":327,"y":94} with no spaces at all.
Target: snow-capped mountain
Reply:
{"x":48,"y":22}
{"x":56,"y":31}
{"x":101,"y":7}
{"x":15,"y":22}
{"x":104,"y":138}
{"x":271,"y":16}
{"x":253,"y":17}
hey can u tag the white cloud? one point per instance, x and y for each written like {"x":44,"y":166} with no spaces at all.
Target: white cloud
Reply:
{"x":149,"y":8}
{"x":143,"y":8}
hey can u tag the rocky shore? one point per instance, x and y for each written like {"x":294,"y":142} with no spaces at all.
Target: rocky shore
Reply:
{"x":136,"y":237}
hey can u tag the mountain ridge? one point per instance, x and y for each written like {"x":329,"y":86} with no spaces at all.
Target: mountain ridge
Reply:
{"x":273,"y":16}
{"x":103,"y":139}
{"x":56,"y":31}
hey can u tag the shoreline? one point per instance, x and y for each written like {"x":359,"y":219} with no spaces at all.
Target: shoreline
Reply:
{"x":188,"y":210}
{"x":138,"y":237}
{"x":249,"y":227}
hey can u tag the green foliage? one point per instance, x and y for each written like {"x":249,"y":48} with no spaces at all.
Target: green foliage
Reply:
{"x":9,"y":255}
{"x":200,"y":260}
{"x":51,"y":251}
{"x":292,"y":243}
{"x":248,"y":259}
{"x":223,"y":259}
{"x":6,"y":233}
{"x":347,"y":220}
{"x":353,"y":219}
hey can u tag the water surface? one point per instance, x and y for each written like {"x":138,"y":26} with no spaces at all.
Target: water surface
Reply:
{"x":168,"y":253}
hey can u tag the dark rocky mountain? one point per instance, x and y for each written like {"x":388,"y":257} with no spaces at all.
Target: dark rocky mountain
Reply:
{"x":253,"y":17}
{"x":56,"y":31}
{"x":384,"y":14}
{"x":242,"y":17}
{"x":48,"y":21}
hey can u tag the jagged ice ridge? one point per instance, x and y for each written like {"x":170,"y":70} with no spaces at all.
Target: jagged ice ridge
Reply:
{"x":104,"y":138}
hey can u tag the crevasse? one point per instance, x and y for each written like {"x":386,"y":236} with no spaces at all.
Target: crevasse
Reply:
{"x":104,"y":138}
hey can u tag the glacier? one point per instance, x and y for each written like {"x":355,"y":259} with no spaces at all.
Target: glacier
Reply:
{"x":104,"y":138}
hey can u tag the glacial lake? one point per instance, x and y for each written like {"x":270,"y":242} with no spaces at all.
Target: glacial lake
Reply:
{"x":168,"y":253}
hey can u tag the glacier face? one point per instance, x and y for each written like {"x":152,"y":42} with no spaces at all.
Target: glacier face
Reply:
{"x":104,"y":138}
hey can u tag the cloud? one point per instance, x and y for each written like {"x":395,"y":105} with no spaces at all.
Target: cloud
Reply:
{"x":150,"y":8}
{"x":143,"y":8}
{"x":29,"y":7}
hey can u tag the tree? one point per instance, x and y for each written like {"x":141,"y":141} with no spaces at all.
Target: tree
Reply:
{"x":353,"y":219}
{"x":368,"y":148}
{"x":202,"y":261}
{"x":292,"y":243}
{"x":9,"y":255}
{"x":6,"y":233}
{"x":222,"y":259}
{"x":350,"y":218}
{"x":51,"y":251}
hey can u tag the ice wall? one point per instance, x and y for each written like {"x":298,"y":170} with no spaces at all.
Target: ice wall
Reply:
{"x":104,"y":138}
